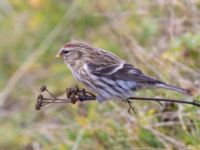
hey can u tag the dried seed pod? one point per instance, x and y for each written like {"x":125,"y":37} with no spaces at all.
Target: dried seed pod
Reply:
{"x":43,"y":88}
{"x":39,"y":102}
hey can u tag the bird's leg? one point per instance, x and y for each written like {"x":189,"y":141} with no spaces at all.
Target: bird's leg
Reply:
{"x":161,"y":104}
{"x":131,"y":108}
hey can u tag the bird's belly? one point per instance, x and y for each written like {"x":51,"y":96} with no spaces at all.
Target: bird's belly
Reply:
{"x":85,"y":80}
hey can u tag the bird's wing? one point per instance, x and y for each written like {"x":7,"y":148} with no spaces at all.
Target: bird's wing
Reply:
{"x":121,"y":71}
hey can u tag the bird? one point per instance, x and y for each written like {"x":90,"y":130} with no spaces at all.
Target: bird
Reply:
{"x":106,"y":75}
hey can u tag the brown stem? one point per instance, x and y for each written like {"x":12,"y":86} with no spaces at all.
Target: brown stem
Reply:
{"x":75,"y":94}
{"x":194,"y":102}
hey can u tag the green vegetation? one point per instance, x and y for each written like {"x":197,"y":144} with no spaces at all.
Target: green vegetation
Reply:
{"x":160,"y":37}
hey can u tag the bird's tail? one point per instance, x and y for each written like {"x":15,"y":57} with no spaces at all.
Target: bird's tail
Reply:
{"x":173,"y":88}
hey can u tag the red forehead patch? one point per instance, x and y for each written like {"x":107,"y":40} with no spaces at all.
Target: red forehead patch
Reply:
{"x":70,"y":45}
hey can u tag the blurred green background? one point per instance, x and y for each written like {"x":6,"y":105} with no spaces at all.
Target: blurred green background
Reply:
{"x":161,"y":37}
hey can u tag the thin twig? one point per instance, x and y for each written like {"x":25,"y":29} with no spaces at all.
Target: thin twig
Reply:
{"x":76,"y":94}
{"x":194,"y":102}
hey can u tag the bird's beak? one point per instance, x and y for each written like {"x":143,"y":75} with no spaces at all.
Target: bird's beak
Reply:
{"x":58,"y":55}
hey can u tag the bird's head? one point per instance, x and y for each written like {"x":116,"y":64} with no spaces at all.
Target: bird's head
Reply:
{"x":80,"y":53}
{"x":73,"y":51}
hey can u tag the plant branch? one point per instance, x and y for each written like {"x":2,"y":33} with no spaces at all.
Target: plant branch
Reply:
{"x":193,"y":102}
{"x":76,"y":94}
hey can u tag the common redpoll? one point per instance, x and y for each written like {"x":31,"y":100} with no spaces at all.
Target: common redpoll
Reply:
{"x":105,"y":74}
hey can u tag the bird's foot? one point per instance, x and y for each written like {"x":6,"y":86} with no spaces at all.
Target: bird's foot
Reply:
{"x":131,"y":107}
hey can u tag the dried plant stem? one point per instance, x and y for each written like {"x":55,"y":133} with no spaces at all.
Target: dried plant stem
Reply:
{"x":80,"y":95}
{"x":194,"y":102}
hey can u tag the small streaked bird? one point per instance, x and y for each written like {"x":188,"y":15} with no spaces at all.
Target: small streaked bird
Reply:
{"x":105,"y":74}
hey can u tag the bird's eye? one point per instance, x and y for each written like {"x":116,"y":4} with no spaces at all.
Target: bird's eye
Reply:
{"x":65,"y":52}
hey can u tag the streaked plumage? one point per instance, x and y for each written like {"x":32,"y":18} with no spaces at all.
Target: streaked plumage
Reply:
{"x":105,"y":74}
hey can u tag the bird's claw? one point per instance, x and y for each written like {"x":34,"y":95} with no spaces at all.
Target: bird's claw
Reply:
{"x":131,"y":108}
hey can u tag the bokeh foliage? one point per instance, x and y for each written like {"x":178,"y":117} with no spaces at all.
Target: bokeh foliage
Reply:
{"x":160,"y":37}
